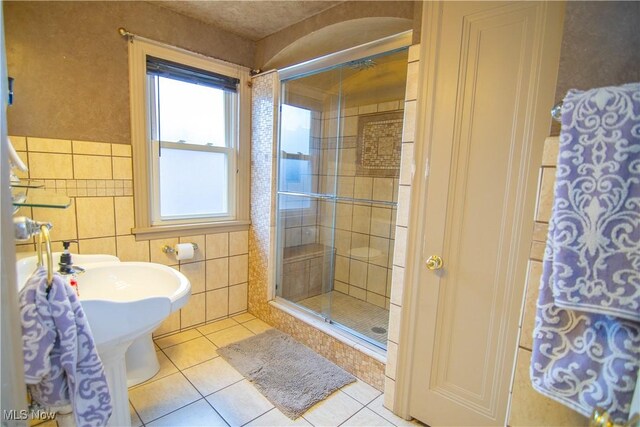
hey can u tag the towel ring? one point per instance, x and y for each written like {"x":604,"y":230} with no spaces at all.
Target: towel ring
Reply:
{"x":44,"y":233}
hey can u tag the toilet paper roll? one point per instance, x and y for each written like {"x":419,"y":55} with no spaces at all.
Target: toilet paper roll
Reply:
{"x":184,"y":251}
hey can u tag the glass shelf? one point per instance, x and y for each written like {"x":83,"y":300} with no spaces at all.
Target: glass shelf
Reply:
{"x":39,"y":198}
{"x":27,"y":183}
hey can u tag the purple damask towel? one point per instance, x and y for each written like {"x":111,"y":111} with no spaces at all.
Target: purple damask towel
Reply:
{"x":586,"y":349}
{"x":61,"y":362}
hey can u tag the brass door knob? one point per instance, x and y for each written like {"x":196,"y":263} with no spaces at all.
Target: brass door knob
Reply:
{"x":434,"y":262}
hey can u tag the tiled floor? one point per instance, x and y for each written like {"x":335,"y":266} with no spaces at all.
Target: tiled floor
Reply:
{"x":196,"y":387}
{"x":361,"y":316}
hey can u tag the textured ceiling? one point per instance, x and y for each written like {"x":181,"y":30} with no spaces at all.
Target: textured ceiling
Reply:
{"x":251,"y":19}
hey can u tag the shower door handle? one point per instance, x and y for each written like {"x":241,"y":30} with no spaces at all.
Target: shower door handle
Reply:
{"x":434,"y":262}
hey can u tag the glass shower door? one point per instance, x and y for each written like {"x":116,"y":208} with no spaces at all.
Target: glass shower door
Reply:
{"x":339,"y":161}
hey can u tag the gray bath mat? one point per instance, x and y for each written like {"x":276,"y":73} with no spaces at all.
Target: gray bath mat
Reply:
{"x":293,"y":377}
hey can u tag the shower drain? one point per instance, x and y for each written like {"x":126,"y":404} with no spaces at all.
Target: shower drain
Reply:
{"x":378,"y":330}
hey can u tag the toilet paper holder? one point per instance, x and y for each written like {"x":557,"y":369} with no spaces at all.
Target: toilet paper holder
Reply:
{"x":171,"y":250}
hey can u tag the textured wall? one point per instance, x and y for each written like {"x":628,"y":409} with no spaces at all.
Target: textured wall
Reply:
{"x":600,"y":46}
{"x":71,"y":65}
{"x":268,"y":47}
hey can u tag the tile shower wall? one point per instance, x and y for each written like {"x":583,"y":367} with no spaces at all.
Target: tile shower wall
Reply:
{"x":97,"y":176}
{"x":528,"y":407}
{"x":359,"y":227}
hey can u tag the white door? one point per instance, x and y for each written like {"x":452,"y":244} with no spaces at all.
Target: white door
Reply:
{"x":490,"y":72}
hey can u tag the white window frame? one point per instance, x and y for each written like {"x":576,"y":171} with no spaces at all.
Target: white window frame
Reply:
{"x":148,"y":223}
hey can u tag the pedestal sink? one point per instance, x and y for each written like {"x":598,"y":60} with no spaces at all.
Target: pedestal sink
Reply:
{"x":123,"y":301}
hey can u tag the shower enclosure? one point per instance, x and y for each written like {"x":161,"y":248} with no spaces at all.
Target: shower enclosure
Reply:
{"x":340,"y":137}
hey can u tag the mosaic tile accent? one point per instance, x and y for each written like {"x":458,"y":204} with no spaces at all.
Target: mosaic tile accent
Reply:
{"x":379,"y":144}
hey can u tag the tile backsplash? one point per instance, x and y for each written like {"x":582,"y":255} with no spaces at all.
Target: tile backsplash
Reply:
{"x":97,"y":176}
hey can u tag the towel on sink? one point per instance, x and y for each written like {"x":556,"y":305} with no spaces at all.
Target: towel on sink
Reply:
{"x":586,"y":347}
{"x":61,"y":362}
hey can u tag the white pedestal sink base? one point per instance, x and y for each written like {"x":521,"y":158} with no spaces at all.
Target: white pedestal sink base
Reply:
{"x":142,"y":361}
{"x":115,"y":370}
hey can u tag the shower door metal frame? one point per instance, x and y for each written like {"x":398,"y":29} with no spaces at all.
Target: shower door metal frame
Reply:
{"x":384,"y":46}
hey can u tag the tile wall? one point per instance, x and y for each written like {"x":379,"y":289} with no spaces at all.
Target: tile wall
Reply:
{"x":401,"y":225}
{"x":97,"y":176}
{"x":358,"y":226}
{"x":528,"y":407}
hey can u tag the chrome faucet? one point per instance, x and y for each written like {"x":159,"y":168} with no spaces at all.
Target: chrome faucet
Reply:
{"x":66,"y":264}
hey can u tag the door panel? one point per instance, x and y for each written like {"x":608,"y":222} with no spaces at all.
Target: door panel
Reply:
{"x":480,"y":179}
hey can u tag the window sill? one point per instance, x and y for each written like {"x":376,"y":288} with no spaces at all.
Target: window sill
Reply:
{"x":168,"y":231}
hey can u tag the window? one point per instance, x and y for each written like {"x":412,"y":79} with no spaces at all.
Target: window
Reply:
{"x":296,"y":175}
{"x":189,"y":140}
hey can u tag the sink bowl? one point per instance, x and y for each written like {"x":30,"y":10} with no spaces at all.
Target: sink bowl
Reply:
{"x":124,"y":302}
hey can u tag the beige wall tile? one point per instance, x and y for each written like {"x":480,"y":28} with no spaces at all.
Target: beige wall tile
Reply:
{"x":122,"y":168}
{"x":193,"y":313}
{"x":537,"y":251}
{"x":341,"y":287}
{"x":358,"y":293}
{"x":130,"y":250}
{"x":540,"y":231}
{"x":47,"y":145}
{"x":358,"y":273}
{"x":195,"y":272}
{"x":344,"y":215}
{"x":363,"y":187}
{"x":400,"y":247}
{"x":345,"y":186}
{"x":394,"y":323}
{"x":350,"y":126}
{"x":238,"y":269}
{"x":238,"y":242}
{"x":237,"y":298}
{"x":545,"y":198}
{"x":383,"y":189}
{"x":342,"y":269}
{"x":382,"y":245}
{"x":103,"y":245}
{"x":95,"y":217}
{"x":404,"y":194}
{"x":63,"y":220}
{"x":217,"y":303}
{"x":414,"y":52}
{"x":53,"y":166}
{"x":217,"y":273}
{"x":376,"y":299}
{"x":217,"y":245}
{"x":392,"y":357}
{"x":29,"y":247}
{"x":89,"y":147}
{"x":550,"y":151}
{"x":380,"y":222}
{"x":361,"y":219}
{"x":122,"y":150}
{"x":412,"y":81}
{"x":200,"y":253}
{"x":124,"y":215}
{"x":25,"y":159}
{"x":409,"y":125}
{"x":367,"y":109}
{"x":389,"y":393}
{"x":530,"y":408}
{"x":406,"y":163}
{"x":397,"y":285}
{"x":19,"y":142}
{"x":91,"y":167}
{"x":156,"y":254}
{"x":530,"y":303}
{"x":170,"y":324}
{"x":388,"y":106}
{"x":376,"y":279}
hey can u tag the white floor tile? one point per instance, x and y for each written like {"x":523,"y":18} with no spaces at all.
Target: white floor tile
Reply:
{"x":191,"y":352}
{"x":239,"y":403}
{"x":244,"y":317}
{"x":276,"y":418}
{"x":166,"y":368}
{"x":257,"y":326}
{"x":377,"y":406}
{"x":229,"y":336}
{"x":213,"y":375}
{"x":158,"y":398}
{"x":178,"y":338}
{"x":361,"y":391}
{"x":367,"y":418}
{"x":333,"y":411}
{"x":199,"y":413}
{"x":135,"y":419}
{"x":217,"y":326}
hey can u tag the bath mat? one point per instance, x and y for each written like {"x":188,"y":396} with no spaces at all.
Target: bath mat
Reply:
{"x":290,"y":375}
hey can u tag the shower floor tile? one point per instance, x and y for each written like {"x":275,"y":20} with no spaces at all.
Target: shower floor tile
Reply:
{"x":361,"y":316}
